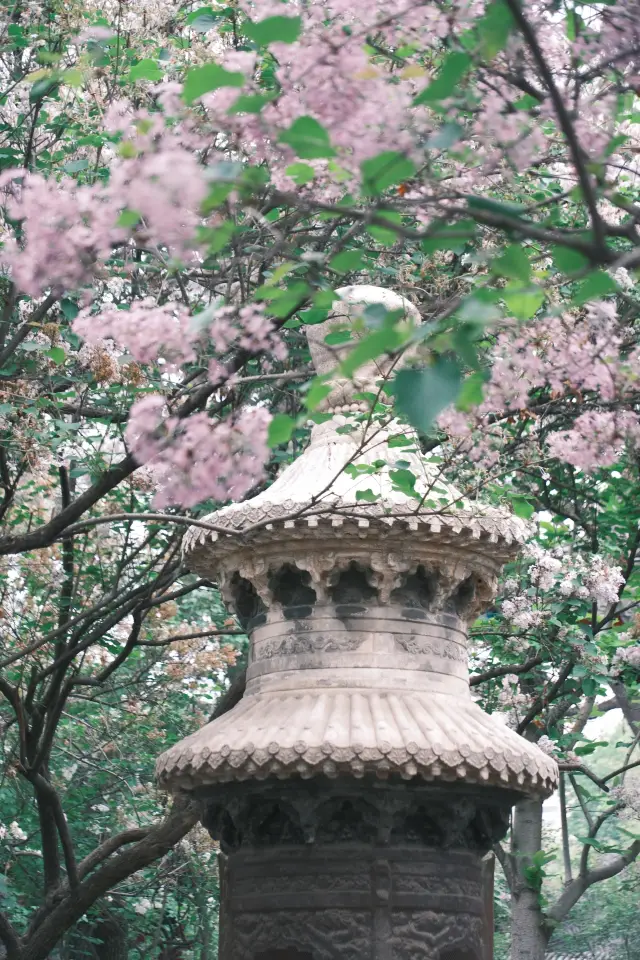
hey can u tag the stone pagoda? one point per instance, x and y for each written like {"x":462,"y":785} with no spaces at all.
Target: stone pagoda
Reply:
{"x":356,"y":786}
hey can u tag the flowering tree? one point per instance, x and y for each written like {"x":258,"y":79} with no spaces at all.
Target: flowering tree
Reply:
{"x":184,"y":188}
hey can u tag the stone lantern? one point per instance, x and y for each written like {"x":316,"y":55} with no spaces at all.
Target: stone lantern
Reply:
{"x":356,"y":786}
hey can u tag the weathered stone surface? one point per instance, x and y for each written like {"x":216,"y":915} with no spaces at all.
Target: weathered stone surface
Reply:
{"x":381,"y":691}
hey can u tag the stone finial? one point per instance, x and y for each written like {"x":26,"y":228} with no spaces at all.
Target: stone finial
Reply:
{"x":347,"y":312}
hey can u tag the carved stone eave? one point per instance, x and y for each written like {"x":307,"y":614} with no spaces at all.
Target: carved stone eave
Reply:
{"x":429,"y":736}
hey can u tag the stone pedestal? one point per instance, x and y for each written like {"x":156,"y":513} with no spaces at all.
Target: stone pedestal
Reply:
{"x":324,"y":870}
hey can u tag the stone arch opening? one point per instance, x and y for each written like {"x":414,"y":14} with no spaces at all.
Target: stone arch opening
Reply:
{"x":291,"y":588}
{"x":272,"y":823}
{"x":246,"y":601}
{"x":417,"y":589}
{"x":346,"y":820}
{"x":353,"y":585}
{"x":463,"y":596}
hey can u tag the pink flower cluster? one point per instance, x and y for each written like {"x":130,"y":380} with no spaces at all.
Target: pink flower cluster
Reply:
{"x":197,"y":458}
{"x":149,"y":331}
{"x":569,"y":356}
{"x":193,"y":459}
{"x":162,"y":180}
{"x":596,"y":439}
{"x":66,"y":230}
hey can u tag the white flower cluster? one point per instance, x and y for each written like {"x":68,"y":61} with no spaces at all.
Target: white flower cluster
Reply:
{"x":546,"y":567}
{"x":519,"y":611}
{"x":548,"y":746}
{"x":627,"y":657}
{"x":14,"y":831}
{"x":143,"y":906}
{"x":514,"y":702}
{"x":572,"y":576}
{"x":602,"y":580}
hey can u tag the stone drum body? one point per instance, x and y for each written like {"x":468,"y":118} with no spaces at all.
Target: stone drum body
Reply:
{"x":356,"y":788}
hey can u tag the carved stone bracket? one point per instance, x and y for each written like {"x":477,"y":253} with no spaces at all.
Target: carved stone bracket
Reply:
{"x":292,"y":574}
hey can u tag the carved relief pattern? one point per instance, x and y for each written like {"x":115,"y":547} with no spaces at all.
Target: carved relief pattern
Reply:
{"x":299,"y":643}
{"x":328,"y":934}
{"x":425,"y":934}
{"x":272,"y":813}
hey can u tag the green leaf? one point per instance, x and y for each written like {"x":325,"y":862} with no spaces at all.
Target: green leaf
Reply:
{"x":596,"y":285}
{"x":347,"y":261}
{"x":318,"y":391}
{"x":513,"y":263}
{"x":280,"y":429}
{"x":471,"y":392}
{"x":453,"y":236}
{"x":494,"y":29}
{"x":382,"y":341}
{"x":203,"y":19}
{"x":75,"y":166}
{"x":128,"y":218}
{"x":290,"y":299}
{"x":522,"y":507}
{"x":218,"y":237}
{"x":455,"y":66}
{"x":567,"y":260}
{"x":211,"y":76}
{"x":367,"y":495}
{"x":42,"y":88}
{"x":338,"y":337}
{"x":422,"y":394}
{"x":404,"y":480}
{"x":145,"y":70}
{"x":69,"y":309}
{"x":383,"y":235}
{"x":308,"y":138}
{"x":445,"y":137}
{"x":57,"y":354}
{"x":274,"y":30}
{"x":314,"y":315}
{"x":401,"y":440}
{"x":385,"y":170}
{"x":300,"y":173}
{"x":511,"y":210}
{"x":523,"y":304}
{"x":250,"y":103}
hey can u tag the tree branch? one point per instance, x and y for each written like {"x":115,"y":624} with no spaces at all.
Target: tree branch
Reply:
{"x":54,"y":922}
{"x":564,"y":119}
{"x":572,"y":893}
{"x":518,"y":668}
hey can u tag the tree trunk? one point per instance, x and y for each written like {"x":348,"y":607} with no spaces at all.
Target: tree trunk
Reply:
{"x":529,"y":936}
{"x":111,"y":934}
